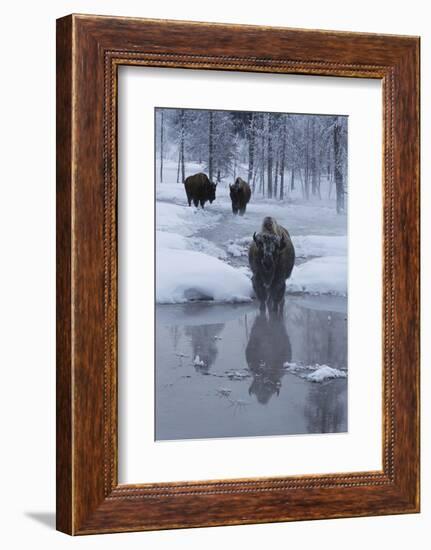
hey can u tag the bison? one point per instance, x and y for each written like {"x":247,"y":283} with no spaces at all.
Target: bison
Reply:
{"x":271,"y":257}
{"x":240,"y":194}
{"x":200,"y":189}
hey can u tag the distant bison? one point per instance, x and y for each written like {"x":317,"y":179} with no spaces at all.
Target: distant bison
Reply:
{"x":240,"y":194}
{"x":271,"y":257}
{"x":200,"y":189}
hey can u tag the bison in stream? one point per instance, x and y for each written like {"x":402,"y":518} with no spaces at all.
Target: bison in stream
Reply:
{"x":271,"y":257}
{"x":199,"y":189}
{"x":240,"y":194}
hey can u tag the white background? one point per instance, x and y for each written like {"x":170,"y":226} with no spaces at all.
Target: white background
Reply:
{"x":141,"y":458}
{"x":27,"y":123}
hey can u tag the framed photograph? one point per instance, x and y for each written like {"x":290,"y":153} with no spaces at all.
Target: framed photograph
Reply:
{"x":237,"y":274}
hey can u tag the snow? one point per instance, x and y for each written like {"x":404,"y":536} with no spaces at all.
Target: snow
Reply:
{"x":201,"y":254}
{"x":173,"y":192}
{"x":325,"y":373}
{"x":315,"y":373}
{"x":320,"y":245}
{"x":183,"y":220}
{"x":305,"y":246}
{"x":327,"y":275}
{"x":184,"y":275}
{"x":173,"y":241}
{"x":236,"y":250}
{"x":166,"y":239}
{"x":198,"y":362}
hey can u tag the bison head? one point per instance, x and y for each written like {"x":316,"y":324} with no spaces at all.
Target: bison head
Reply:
{"x":269,"y":247}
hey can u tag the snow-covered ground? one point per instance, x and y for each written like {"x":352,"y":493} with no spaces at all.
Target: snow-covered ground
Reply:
{"x":327,"y":275}
{"x":202,"y":254}
{"x":184,"y":275}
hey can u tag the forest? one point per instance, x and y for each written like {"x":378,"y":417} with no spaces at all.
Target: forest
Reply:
{"x":277,"y":153}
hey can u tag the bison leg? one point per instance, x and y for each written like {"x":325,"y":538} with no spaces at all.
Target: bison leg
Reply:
{"x":234,"y":210}
{"x":189,"y":199}
{"x":242,"y":211}
{"x":277,"y":296}
{"x":202,"y":203}
{"x":260,"y":291}
{"x":196,"y":202}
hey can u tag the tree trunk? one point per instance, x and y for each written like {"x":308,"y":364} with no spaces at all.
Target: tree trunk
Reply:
{"x":251,"y":133}
{"x":161,"y":145}
{"x":210,"y":147}
{"x":182,"y":138}
{"x":178,"y":167}
{"x":282,"y":159}
{"x":338,"y":174}
{"x":313,"y":160}
{"x":270,"y":153}
{"x":262,"y":163}
{"x":293,"y":160}
{"x":307,"y":162}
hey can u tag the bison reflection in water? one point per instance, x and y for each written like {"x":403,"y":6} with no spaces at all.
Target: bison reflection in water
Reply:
{"x":267,"y":350}
{"x":204,"y":344}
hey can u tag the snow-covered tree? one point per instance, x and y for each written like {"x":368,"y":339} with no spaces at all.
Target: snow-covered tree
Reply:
{"x":278,"y":154}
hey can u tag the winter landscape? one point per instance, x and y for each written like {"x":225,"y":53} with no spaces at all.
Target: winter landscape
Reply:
{"x":240,"y":352}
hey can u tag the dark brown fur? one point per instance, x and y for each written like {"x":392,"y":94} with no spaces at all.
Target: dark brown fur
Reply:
{"x":271,"y":257}
{"x":199,"y":189}
{"x":240,"y":194}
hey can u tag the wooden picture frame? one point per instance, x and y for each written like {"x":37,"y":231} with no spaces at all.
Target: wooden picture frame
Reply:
{"x":89,"y":51}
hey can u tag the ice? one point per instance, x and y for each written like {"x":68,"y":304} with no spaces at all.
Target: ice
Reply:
{"x":198,"y":362}
{"x":315,"y":373}
{"x":327,"y":275}
{"x":326,"y":373}
{"x":184,"y":275}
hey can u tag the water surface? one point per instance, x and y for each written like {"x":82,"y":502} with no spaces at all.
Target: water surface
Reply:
{"x":220,"y":369}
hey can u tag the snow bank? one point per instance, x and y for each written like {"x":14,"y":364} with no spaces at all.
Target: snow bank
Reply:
{"x":173,"y":241}
{"x":183,"y":220}
{"x":315,"y":373}
{"x":319,"y":245}
{"x":166,"y":239}
{"x":326,"y":275}
{"x":184,"y":275}
{"x":236,"y":250}
{"x":171,"y":192}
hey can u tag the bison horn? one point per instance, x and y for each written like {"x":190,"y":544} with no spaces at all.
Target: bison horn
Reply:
{"x":254,"y":237}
